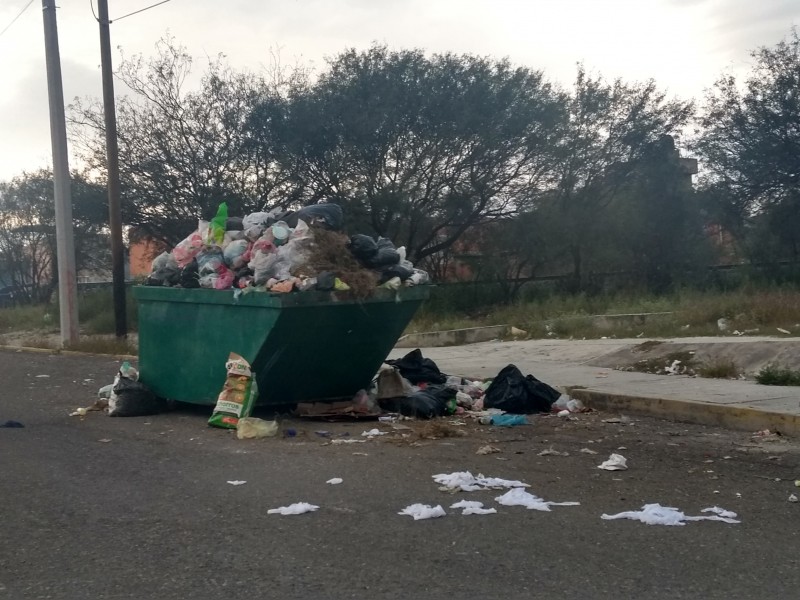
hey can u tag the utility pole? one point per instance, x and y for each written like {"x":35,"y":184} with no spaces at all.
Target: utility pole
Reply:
{"x":112,"y":159}
{"x":65,"y":244}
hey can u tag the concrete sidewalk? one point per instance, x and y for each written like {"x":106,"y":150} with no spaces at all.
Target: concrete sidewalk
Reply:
{"x":566,"y":364}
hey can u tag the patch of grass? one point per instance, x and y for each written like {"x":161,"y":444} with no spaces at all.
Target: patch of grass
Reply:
{"x":26,"y":318}
{"x":719,"y":369}
{"x":96,"y":312}
{"x":40,"y":341}
{"x":776,"y":375}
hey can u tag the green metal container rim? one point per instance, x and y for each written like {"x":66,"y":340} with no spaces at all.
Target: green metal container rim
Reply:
{"x":274,"y":300}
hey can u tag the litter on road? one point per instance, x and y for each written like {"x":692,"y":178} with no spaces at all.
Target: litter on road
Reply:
{"x":473,"y":507}
{"x":298,"y":508}
{"x":467,"y":482}
{"x":237,"y":482}
{"x":520,"y":497}
{"x":615,"y":462}
{"x":655,"y":514}
{"x":335,"y":481}
{"x":423,"y":511}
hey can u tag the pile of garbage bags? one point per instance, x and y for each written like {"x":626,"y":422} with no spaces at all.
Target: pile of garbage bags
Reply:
{"x":280,"y":251}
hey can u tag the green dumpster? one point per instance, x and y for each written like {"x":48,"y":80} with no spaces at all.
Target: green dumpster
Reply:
{"x":303,"y":346}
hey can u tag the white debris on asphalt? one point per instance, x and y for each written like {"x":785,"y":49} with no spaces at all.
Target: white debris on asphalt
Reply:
{"x":792,"y":498}
{"x":473,"y":507}
{"x":423,"y":511}
{"x":373,"y":433}
{"x":335,"y":481}
{"x":588,"y":451}
{"x":615,"y":462}
{"x":488,"y":449}
{"x":298,"y":508}
{"x":552,"y":452}
{"x":519,"y":497}
{"x":237,"y":482}
{"x":347,"y":441}
{"x":467,"y":482}
{"x":655,"y":514}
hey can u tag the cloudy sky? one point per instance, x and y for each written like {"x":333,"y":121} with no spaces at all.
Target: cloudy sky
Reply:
{"x":682,"y":44}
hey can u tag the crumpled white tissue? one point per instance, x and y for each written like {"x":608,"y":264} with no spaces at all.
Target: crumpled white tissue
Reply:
{"x":473,"y":507}
{"x":519,"y":497}
{"x":298,"y":508}
{"x":467,"y":482}
{"x":655,"y":514}
{"x":615,"y":462}
{"x":335,"y":481}
{"x":423,"y":511}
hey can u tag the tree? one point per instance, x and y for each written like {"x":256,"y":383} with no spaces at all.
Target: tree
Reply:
{"x":749,"y":143}
{"x":181,"y":153}
{"x":28,"y":232}
{"x":657,"y":220}
{"x":608,"y":130}
{"x":419,"y":149}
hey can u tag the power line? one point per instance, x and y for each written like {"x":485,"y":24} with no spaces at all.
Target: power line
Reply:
{"x":94,"y":14}
{"x":14,"y":20}
{"x":136,"y":12}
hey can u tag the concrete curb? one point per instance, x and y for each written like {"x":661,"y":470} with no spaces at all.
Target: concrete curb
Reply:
{"x":703,"y":413}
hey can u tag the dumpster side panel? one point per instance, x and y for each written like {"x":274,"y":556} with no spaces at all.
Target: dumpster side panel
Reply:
{"x":326,"y":352}
{"x":183,"y":347}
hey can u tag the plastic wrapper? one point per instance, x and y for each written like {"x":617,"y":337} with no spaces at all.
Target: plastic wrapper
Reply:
{"x":209,"y":260}
{"x":190,"y":246}
{"x":165,"y":270}
{"x":190,"y":275}
{"x":238,"y":395}
{"x":131,"y":398}
{"x":234,"y":254}
{"x":216,"y":227}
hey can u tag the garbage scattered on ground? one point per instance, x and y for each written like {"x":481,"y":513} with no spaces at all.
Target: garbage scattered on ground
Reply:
{"x":766,"y":435}
{"x":588,"y":451}
{"x":105,"y":391}
{"x":104,"y":440}
{"x":514,"y":393}
{"x":467,"y":482}
{"x":572,"y":405}
{"x":552,"y":452}
{"x":42,"y":376}
{"x":283,"y":252}
{"x":506,"y":420}
{"x":519,"y":497}
{"x":622,"y":419}
{"x":488,"y":450}
{"x":615,"y":462}
{"x":348,"y":441}
{"x":793,"y":498}
{"x":334,"y":411}
{"x":423,"y":511}
{"x":298,"y":508}
{"x":253,"y":428}
{"x":130,"y":397}
{"x":418,"y":369}
{"x":237,"y":482}
{"x":373,"y":433}
{"x":563,"y":413}
{"x":10,"y":424}
{"x":335,"y":481}
{"x":655,"y":514}
{"x":781,"y":330}
{"x":473,"y":507}
{"x":238,"y":395}
{"x":290,"y":432}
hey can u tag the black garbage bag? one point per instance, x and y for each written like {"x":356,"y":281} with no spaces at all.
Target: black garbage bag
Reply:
{"x":234,"y":224}
{"x":386,"y":255}
{"x":325,"y":214}
{"x":424,"y":404}
{"x":395,"y":271}
{"x":326,"y":281}
{"x":131,"y":398}
{"x":517,"y":394}
{"x":416,"y":368}
{"x":363,"y":247}
{"x":190,"y":275}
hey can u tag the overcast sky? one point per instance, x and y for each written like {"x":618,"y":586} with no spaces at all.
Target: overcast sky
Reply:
{"x":683,"y":44}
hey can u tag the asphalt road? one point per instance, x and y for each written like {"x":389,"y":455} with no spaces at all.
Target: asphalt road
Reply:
{"x":107,"y":508}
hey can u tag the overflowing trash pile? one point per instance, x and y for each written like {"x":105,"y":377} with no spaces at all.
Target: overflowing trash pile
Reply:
{"x":284,"y":251}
